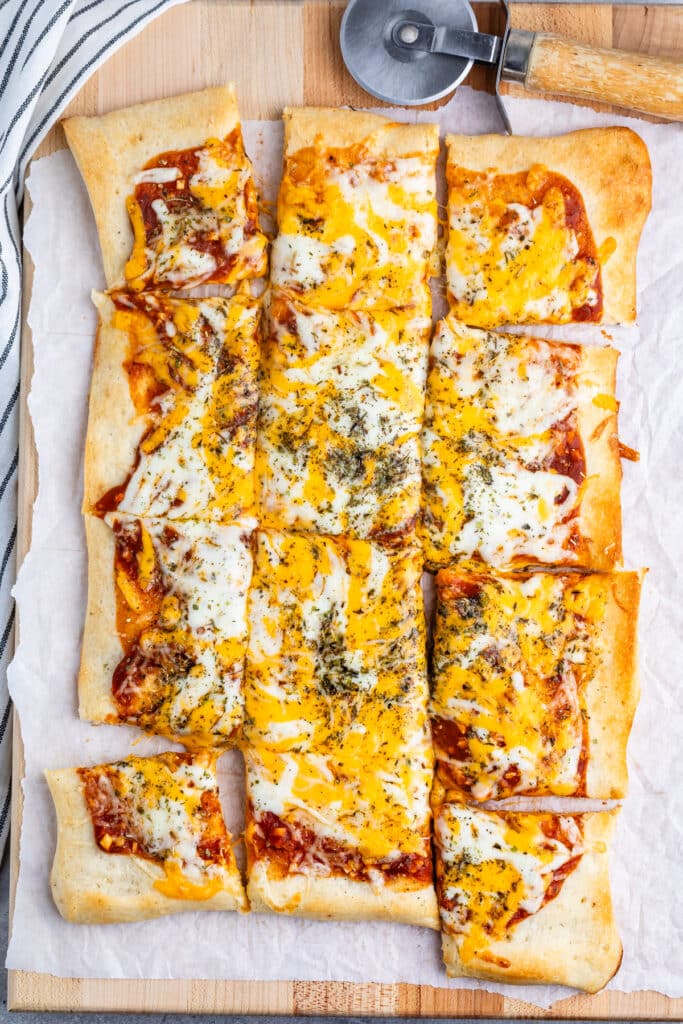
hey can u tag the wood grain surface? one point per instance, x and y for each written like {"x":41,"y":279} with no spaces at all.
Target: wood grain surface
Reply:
{"x":287,"y":53}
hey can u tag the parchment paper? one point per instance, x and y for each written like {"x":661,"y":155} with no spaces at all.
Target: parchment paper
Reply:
{"x":647,"y":882}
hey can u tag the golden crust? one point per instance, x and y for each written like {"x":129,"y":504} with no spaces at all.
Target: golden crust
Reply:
{"x":340,"y":899}
{"x":600,"y":516}
{"x":112,"y":148}
{"x":610,"y":167}
{"x":101,"y":651}
{"x":573,"y":940}
{"x":339,"y":128}
{"x":612,"y":695}
{"x":114,"y":428}
{"x":90,"y":886}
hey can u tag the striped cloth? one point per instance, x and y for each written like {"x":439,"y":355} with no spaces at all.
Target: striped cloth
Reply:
{"x":48,"y":49}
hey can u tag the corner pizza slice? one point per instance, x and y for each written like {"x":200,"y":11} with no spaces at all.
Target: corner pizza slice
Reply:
{"x":166,"y":627}
{"x":534,"y":682}
{"x":546,"y":230}
{"x":357,"y":216}
{"x":521,"y":456}
{"x":341,"y":408}
{"x":525,"y":898}
{"x":141,"y":838}
{"x":339,"y":759}
{"x":173,"y":407}
{"x":172,"y":191}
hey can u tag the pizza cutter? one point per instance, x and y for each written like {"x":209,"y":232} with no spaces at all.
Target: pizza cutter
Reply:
{"x":409,"y":56}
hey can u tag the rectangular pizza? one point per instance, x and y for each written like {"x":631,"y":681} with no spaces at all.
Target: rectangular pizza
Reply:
{"x":141,"y":838}
{"x":173,"y":407}
{"x":525,"y":898}
{"x":340,"y":414}
{"x":357,"y":217}
{"x":521,"y":461}
{"x":534,"y":682}
{"x":546,"y":230}
{"x":172,"y":191}
{"x":337,"y":746}
{"x":165,"y":635}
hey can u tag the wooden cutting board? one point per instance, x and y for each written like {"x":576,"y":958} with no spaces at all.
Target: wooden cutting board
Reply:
{"x":282,"y":53}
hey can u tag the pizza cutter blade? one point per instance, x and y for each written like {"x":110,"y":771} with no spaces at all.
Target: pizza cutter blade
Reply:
{"x":410,"y":56}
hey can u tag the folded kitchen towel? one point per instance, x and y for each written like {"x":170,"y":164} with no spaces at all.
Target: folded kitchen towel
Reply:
{"x":48,"y":49}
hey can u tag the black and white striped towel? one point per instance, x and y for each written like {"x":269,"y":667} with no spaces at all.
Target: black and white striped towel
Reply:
{"x":48,"y":49}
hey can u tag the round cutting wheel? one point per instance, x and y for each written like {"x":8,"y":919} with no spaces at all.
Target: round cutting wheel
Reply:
{"x":390,"y":72}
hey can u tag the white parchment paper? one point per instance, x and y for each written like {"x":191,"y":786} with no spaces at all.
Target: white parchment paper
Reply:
{"x":647,"y":876}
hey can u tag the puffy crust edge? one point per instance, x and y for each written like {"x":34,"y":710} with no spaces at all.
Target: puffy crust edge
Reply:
{"x":114,"y":428}
{"x":600,"y":514}
{"x":90,"y":886}
{"x":111,"y":148}
{"x":384,"y":138}
{"x":101,"y":650}
{"x":573,"y":940}
{"x":612,"y":695}
{"x":610,"y":167}
{"x":340,"y":899}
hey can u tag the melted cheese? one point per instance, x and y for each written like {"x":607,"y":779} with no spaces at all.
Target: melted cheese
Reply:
{"x":497,"y":407}
{"x":341,"y":408}
{"x":204,"y":571}
{"x":196,"y":456}
{"x":510,"y":667}
{"x":220,"y":207}
{"x":356,"y":231}
{"x":512,"y":256}
{"x":160,"y":800}
{"x":335,"y":717}
{"x":493,"y":867}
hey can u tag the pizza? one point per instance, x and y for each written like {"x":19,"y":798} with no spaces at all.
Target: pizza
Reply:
{"x":545,"y":230}
{"x":140,"y":838}
{"x":165,"y":634}
{"x":339,"y":761}
{"x":525,"y":897}
{"x":173,"y":407}
{"x":172,"y":191}
{"x":521,"y":461}
{"x":534,"y":682}
{"x":340,"y":414}
{"x":357,"y":217}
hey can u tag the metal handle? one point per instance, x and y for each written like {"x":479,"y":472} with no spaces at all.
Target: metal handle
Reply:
{"x":411,"y":34}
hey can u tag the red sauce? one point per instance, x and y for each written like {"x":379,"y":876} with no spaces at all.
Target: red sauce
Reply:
{"x":568,"y":458}
{"x":295,"y":847}
{"x":114,"y":820}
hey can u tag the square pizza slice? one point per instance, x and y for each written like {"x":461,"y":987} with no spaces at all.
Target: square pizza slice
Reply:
{"x":546,"y":230}
{"x":141,"y":838}
{"x":165,"y":633}
{"x":525,"y":898}
{"x":173,"y":407}
{"x":172,"y":191}
{"x":534,"y":682}
{"x":340,"y":414}
{"x":357,"y":217}
{"x":521,"y":458}
{"x":339,"y":758}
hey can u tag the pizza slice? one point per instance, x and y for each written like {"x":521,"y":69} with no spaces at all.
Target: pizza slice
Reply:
{"x":339,"y":758}
{"x":173,"y":407}
{"x":357,"y":216}
{"x":172,"y":191}
{"x":525,"y":898}
{"x":546,"y":230}
{"x":340,"y":413}
{"x":534,"y":683}
{"x":165,"y":633}
{"x":141,"y":838}
{"x":521,"y":458}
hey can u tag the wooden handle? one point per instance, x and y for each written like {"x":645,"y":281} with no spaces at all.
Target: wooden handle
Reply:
{"x":631,"y":81}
